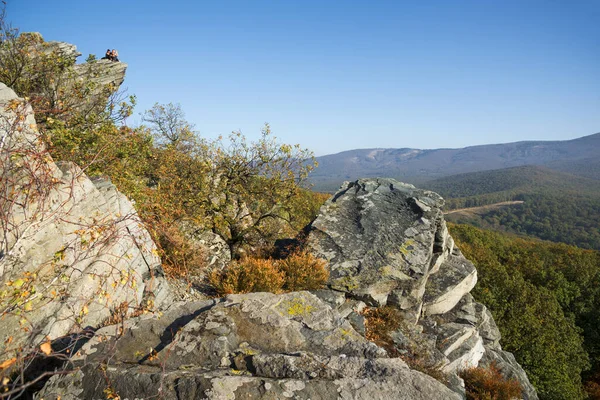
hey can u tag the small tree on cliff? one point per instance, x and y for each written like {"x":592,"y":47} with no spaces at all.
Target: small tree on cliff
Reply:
{"x":244,"y":192}
{"x":253,"y":187}
{"x":168,"y":125}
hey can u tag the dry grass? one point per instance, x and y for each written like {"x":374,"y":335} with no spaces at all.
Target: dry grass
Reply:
{"x":380,"y":323}
{"x":180,"y":257}
{"x":248,"y":275}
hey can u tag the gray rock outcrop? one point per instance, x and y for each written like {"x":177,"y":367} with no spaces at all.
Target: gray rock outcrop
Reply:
{"x":254,"y":346}
{"x":387,"y":244}
{"x":105,"y":71}
{"x":101,"y":72}
{"x":94,"y":81}
{"x":73,"y":252}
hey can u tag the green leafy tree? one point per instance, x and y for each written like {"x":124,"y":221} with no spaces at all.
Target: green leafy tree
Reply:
{"x":252,"y":185}
{"x":169,"y":126}
{"x":545,"y":299}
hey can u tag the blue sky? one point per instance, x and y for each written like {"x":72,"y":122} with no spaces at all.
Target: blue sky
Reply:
{"x":339,"y":75}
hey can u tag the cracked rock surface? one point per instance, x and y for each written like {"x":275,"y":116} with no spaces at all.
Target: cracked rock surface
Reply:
{"x":387,"y":244}
{"x":82,"y":240}
{"x":253,"y":346}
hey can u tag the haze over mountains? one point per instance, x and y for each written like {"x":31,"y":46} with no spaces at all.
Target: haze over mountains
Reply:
{"x":578,"y":156}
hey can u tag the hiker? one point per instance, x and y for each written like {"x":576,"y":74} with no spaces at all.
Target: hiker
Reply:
{"x":115,"y":55}
{"x":107,"y":56}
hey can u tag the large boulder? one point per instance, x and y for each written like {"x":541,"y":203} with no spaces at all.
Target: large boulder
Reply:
{"x":74,"y":252}
{"x":254,"y":346}
{"x":387,"y":244}
{"x":383,"y":240}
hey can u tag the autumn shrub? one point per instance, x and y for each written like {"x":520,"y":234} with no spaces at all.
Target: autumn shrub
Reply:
{"x":180,"y":257}
{"x":248,"y":275}
{"x":299,"y":271}
{"x":380,"y":323}
{"x":487,"y":383}
{"x":592,"y":387}
{"x":303,"y":271}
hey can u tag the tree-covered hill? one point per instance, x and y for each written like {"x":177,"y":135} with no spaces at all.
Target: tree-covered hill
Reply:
{"x":555,"y":206}
{"x":503,"y":182}
{"x":545,"y":298}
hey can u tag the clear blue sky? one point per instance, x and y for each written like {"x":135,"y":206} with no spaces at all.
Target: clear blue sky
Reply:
{"x":339,"y":75}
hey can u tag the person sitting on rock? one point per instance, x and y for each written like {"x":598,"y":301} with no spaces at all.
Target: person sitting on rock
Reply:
{"x":108,"y":55}
{"x":115,"y":55}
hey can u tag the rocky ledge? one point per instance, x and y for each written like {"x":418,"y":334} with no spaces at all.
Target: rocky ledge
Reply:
{"x":254,"y":346}
{"x":102,"y":72}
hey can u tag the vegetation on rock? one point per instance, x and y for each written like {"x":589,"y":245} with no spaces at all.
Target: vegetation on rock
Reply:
{"x":299,"y":271}
{"x":489,"y":384}
{"x":381,"y":323}
{"x":247,"y":192}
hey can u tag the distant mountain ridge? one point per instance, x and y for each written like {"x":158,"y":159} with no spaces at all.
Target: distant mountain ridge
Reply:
{"x":579,"y":156}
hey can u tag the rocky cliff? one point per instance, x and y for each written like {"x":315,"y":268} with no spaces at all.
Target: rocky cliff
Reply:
{"x":387,"y":245}
{"x":73,"y":89}
{"x":73,"y":251}
{"x":103,"y":72}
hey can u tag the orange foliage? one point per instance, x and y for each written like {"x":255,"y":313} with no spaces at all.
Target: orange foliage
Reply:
{"x":489,"y":384}
{"x":248,"y":275}
{"x":180,"y":257}
{"x":299,"y":271}
{"x":303,"y":271}
{"x":592,"y":388}
{"x":379,"y":323}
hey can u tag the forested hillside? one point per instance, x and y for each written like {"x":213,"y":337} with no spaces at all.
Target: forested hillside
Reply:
{"x":556,"y":206}
{"x":545,"y":299}
{"x":465,"y":190}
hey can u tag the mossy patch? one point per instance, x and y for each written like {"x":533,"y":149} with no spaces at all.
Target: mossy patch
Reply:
{"x":346,"y":283}
{"x":296,"y":307}
{"x":389,"y":271}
